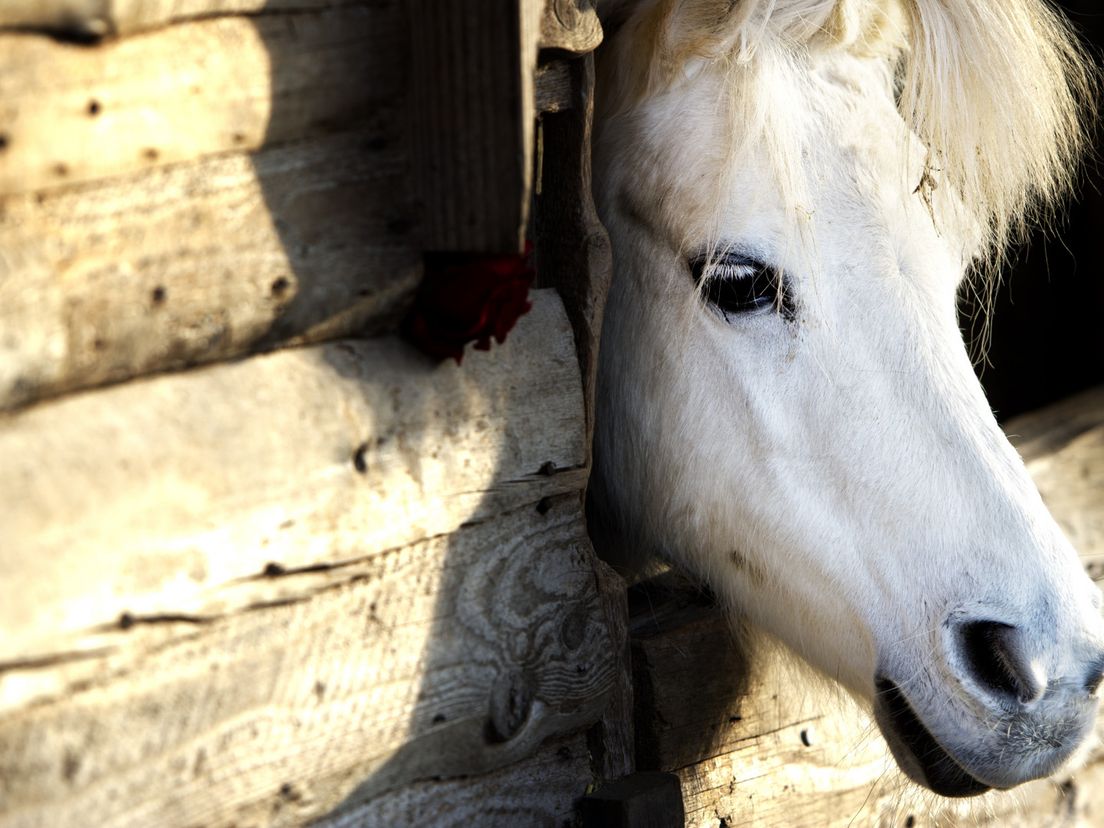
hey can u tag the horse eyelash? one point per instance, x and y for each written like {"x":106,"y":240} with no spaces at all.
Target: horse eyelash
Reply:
{"x":730,"y":271}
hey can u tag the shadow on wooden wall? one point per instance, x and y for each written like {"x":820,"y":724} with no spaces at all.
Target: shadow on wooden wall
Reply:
{"x":488,"y":642}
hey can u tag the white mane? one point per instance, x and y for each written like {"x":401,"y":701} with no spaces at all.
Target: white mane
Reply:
{"x":998,"y":91}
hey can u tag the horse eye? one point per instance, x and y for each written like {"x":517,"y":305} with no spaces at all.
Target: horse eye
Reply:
{"x":735,"y":283}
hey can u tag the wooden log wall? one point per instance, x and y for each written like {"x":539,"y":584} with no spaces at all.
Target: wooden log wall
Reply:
{"x":266,"y":565}
{"x":313,"y":578}
{"x":199,"y":192}
{"x":306,"y":579}
{"x":127,"y":167}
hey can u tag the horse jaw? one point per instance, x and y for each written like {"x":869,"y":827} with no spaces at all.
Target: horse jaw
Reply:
{"x":839,"y":478}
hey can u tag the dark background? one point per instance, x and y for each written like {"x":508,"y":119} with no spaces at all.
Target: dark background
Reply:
{"x":1047,"y":338}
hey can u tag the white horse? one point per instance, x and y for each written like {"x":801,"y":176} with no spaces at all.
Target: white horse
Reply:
{"x":794,"y":190}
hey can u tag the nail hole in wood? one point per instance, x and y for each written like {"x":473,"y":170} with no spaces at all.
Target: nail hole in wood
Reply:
{"x":158,"y":295}
{"x":71,"y":766}
{"x":360,"y":458}
{"x":94,"y":108}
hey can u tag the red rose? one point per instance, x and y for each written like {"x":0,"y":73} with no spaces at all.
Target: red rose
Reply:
{"x":468,"y":298}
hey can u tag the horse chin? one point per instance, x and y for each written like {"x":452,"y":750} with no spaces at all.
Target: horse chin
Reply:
{"x":919,"y":754}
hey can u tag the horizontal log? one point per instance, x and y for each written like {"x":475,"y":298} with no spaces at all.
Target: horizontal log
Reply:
{"x":539,"y":791}
{"x":93,"y":19}
{"x":449,"y":658}
{"x":567,"y":24}
{"x":71,"y":114}
{"x":167,"y":497}
{"x":1063,"y":447}
{"x":203,"y":262}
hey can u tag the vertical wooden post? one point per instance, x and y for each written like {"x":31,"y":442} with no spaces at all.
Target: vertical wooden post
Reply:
{"x":573,"y":250}
{"x":472,"y":120}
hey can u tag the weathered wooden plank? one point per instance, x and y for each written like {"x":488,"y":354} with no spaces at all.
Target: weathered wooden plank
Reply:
{"x":205,"y":261}
{"x":574,"y":249}
{"x":540,"y":791}
{"x":571,"y":25}
{"x":554,"y":92}
{"x":452,"y":657}
{"x":73,"y":114}
{"x":1040,"y":434}
{"x":93,"y":19}
{"x":611,"y":739}
{"x":473,"y":108}
{"x":169,"y":496}
{"x":1063,"y":446}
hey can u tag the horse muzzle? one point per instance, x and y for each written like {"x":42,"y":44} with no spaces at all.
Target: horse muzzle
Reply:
{"x":993,"y":718}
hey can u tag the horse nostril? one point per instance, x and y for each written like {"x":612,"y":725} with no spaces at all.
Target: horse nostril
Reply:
{"x":1095,"y":677}
{"x":995,"y":656}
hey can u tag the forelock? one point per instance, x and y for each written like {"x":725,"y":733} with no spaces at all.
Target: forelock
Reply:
{"x":999,"y":93}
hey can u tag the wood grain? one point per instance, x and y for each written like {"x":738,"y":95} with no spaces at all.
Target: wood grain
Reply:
{"x":169,"y":496}
{"x":540,"y":791}
{"x":72,"y":114}
{"x":611,"y":740}
{"x":571,"y":25}
{"x":1063,"y":446}
{"x":574,"y":249}
{"x":473,"y":108}
{"x":205,"y":261}
{"x":93,"y":19}
{"x":453,"y":657}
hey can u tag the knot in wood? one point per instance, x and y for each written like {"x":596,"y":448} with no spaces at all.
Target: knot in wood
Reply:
{"x":574,"y":627}
{"x":511,"y":701}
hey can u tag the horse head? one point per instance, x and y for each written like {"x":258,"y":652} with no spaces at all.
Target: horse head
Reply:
{"x":796,"y":191}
